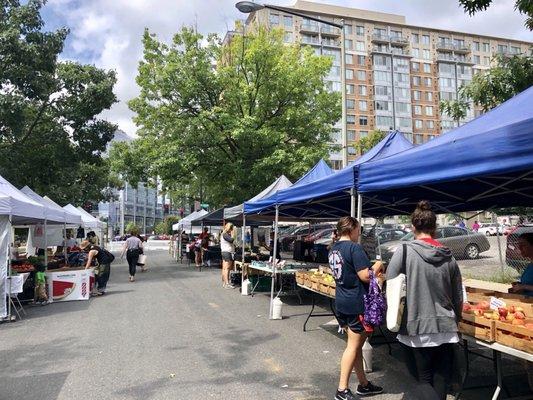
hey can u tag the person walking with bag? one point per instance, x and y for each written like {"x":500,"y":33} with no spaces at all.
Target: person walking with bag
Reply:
{"x":433,"y":306}
{"x":227,"y":248}
{"x":132,"y":248}
{"x":352,"y":272}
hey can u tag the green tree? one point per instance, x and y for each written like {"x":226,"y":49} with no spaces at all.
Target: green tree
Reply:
{"x":522,"y":6}
{"x":509,"y":76}
{"x":370,"y":141}
{"x":165,"y":226}
{"x":50,"y":136}
{"x":132,"y":227}
{"x":229,"y":130}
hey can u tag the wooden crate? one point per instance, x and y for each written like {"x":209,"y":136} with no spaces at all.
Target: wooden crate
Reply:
{"x":478,"y":327}
{"x":300,"y":277}
{"x":516,"y":336}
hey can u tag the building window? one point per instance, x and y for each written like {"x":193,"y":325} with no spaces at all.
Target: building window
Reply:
{"x":427,"y":68}
{"x":363,"y":134}
{"x":287,"y":37}
{"x":349,"y":74}
{"x":416,"y":53}
{"x":361,"y":75}
{"x":348,"y":29}
{"x":363,"y":105}
{"x":477,"y":60}
{"x":416,"y":81}
{"x":502,"y":48}
{"x":362,"y":90}
{"x":486,"y":47}
{"x":429,"y":96}
{"x":382,"y":76}
{"x":361,"y":60}
{"x":274,"y":19}
{"x":381,"y":90}
{"x":419,"y":139}
{"x":360,"y":46}
{"x":427,"y":81}
{"x":363,"y":121}
{"x":404,"y":122}
{"x":384,"y":121}
{"x":430,"y":124}
{"x":350,"y":104}
{"x":418,"y":123}
{"x":350,"y":133}
{"x":425,"y":39}
{"x":401,"y":78}
{"x":287,"y":21}
{"x":415,"y":66}
{"x":429,"y":110}
{"x":351,"y":150}
{"x":383,"y":61}
{"x":350,"y":119}
{"x":348,"y":58}
{"x":350,"y":89}
{"x":415,"y":38}
{"x":486,"y":60}
{"x":475,"y":46}
{"x":348,"y":43}
{"x":383,"y":105}
{"x":416,"y":95}
{"x":403,"y":107}
{"x":515,"y":50}
{"x":417,"y":110}
{"x":359,"y":30}
{"x":426,"y":55}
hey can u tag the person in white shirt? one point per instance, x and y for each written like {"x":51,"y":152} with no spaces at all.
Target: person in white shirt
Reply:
{"x":132,"y":248}
{"x":227,"y":248}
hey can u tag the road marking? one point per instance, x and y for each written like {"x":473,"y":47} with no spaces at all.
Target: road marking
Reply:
{"x":214,"y":305}
{"x":273,"y":365}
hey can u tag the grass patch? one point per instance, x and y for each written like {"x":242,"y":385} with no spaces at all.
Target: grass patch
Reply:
{"x":508,"y":276}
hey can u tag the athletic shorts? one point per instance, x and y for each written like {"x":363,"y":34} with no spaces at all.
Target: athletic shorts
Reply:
{"x":350,"y":321}
{"x":227,"y":256}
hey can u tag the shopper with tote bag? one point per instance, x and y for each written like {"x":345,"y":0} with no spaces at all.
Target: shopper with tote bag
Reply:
{"x":433,"y":304}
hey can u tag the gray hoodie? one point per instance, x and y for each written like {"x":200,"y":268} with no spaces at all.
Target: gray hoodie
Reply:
{"x":434,"y":288}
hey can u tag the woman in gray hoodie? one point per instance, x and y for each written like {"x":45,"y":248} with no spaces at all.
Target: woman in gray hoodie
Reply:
{"x":433,"y":306}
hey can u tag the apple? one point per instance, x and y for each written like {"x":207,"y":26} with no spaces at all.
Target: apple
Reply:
{"x":484,"y":305}
{"x":467,"y":307}
{"x":502,"y":318}
{"x":502,"y":311}
{"x":518,"y":322}
{"x":519,"y":315}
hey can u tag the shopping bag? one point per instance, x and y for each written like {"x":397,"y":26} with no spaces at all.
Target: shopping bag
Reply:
{"x":375,"y":303}
{"x":396,"y":296}
{"x":142,"y":260}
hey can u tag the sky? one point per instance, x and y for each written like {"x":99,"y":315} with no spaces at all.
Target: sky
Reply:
{"x":108,"y":33}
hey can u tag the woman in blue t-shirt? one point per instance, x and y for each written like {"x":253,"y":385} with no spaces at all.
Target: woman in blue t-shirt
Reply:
{"x":525,"y":245}
{"x":350,"y":267}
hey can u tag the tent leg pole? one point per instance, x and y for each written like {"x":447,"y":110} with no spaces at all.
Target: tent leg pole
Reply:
{"x":359,"y":211}
{"x":9,"y":272}
{"x":243,"y":242}
{"x":352,"y":202}
{"x":274,"y":262}
{"x":65,"y":241}
{"x":45,"y":243}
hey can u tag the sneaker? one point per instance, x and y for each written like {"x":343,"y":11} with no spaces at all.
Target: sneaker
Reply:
{"x":368,"y":390}
{"x":346,"y":394}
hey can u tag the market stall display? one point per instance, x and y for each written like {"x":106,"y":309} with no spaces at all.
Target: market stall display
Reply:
{"x":68,"y":284}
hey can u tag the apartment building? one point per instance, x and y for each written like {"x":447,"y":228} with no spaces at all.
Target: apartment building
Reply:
{"x":396,"y":73}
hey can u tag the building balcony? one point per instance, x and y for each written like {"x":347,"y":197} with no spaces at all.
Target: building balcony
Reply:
{"x":309,"y":28}
{"x":461,"y":49}
{"x":310,"y":40}
{"x":379,"y":38}
{"x":399,"y":40}
{"x":331,"y":42}
{"x":330,"y":31}
{"x":444,"y":46}
{"x":395,"y":52}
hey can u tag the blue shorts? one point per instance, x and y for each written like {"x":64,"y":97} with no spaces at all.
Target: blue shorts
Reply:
{"x":350,"y":321}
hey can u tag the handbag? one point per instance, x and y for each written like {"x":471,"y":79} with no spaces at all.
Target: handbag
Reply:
{"x":396,"y":296}
{"x":142,"y":260}
{"x":375,"y":303}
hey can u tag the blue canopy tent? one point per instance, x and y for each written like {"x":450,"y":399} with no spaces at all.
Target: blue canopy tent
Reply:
{"x":486,"y":163}
{"x":329,"y":197}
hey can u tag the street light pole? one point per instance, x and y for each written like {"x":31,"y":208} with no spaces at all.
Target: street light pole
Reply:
{"x":247,"y":7}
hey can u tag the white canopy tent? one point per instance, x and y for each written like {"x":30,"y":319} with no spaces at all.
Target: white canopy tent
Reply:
{"x":88,"y":221}
{"x":185,"y":223}
{"x":15,"y":209}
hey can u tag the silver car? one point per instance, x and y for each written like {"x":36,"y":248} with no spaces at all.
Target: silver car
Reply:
{"x":462,"y":242}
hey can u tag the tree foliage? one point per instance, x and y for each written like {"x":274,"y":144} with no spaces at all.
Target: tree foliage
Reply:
{"x":232,"y":129}
{"x":370,"y":141}
{"x":50,"y":136}
{"x":509,"y":76}
{"x":522,"y":6}
{"x":165,"y":226}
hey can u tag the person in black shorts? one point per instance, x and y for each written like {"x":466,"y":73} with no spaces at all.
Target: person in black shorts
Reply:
{"x":350,"y":267}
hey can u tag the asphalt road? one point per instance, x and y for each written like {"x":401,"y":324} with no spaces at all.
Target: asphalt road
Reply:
{"x":176,"y":334}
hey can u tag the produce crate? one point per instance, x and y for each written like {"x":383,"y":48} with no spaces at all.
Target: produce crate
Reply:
{"x":301,"y":277}
{"x":265,"y":282}
{"x":518,"y":337}
{"x":478,"y":327}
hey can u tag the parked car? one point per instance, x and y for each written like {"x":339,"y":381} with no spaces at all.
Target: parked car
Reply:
{"x":389,"y":235}
{"x":320,"y":234}
{"x":287,"y":241}
{"x":492,"y":229}
{"x":463,"y":243}
{"x":508,"y":229}
{"x":513,"y":258}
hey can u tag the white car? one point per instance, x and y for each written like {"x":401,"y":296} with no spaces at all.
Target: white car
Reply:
{"x":490,"y":229}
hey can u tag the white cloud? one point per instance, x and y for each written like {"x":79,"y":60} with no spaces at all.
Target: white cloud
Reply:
{"x":109,"y":32}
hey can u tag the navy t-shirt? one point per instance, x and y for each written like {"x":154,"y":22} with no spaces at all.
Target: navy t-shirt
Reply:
{"x":346,"y":258}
